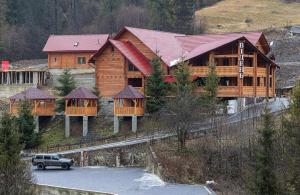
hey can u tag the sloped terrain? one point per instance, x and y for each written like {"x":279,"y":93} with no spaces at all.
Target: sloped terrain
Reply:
{"x":246,"y":15}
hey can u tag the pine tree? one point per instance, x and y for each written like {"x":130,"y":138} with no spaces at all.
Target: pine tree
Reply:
{"x":3,"y":25}
{"x":291,"y":124}
{"x":265,"y":181}
{"x":184,"y":16}
{"x":211,"y":83}
{"x":66,"y":85}
{"x":26,"y":126}
{"x":182,"y":74}
{"x":15,"y":175}
{"x":161,"y":14}
{"x":156,"y":88}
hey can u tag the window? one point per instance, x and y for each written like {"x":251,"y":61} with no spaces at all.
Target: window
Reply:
{"x":55,"y":158}
{"x":47,"y":157}
{"x":228,"y":81}
{"x":135,"y":82}
{"x":81,"y":60}
{"x":248,"y":81}
{"x":258,"y":81}
{"x":39,"y":157}
{"x":225,"y":62}
{"x":131,"y":67}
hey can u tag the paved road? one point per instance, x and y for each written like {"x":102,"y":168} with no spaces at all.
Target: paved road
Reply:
{"x":121,"y":181}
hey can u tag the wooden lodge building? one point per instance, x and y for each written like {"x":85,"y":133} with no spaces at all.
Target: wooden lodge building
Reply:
{"x":72,"y":51}
{"x":240,"y":58}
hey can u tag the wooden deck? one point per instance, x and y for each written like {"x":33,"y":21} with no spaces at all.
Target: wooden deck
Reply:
{"x":47,"y":110}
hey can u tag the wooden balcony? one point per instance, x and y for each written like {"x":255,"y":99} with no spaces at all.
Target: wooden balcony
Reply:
{"x":228,"y":91}
{"x":129,"y":111}
{"x":81,"y":111}
{"x":248,"y":91}
{"x":261,"y":72}
{"x":221,"y":70}
{"x":48,"y":110}
{"x":39,"y":110}
{"x":248,"y":71}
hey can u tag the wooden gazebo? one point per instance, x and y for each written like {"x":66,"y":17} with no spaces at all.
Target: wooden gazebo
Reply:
{"x":43,"y":104}
{"x":129,"y":102}
{"x":81,"y":102}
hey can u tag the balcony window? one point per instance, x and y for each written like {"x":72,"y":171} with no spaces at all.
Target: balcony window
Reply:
{"x":81,"y":60}
{"x":248,"y":81}
{"x":135,"y":82}
{"x":131,"y":67}
{"x":248,"y":62}
{"x":228,"y":81}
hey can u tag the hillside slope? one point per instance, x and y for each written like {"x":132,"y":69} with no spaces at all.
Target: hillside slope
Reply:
{"x":249,"y":15}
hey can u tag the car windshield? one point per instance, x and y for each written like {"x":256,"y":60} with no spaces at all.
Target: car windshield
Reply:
{"x":60,"y":156}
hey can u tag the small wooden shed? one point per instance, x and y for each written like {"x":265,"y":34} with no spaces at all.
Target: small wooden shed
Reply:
{"x":43,"y":104}
{"x":129,"y":102}
{"x":81,"y":102}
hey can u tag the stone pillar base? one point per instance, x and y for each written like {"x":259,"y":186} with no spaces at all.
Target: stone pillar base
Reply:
{"x":134,"y":124}
{"x":116,"y":124}
{"x":85,"y":125}
{"x":37,"y":124}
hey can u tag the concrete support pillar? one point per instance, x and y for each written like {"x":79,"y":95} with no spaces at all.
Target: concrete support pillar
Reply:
{"x":118,"y":160}
{"x":85,"y":125}
{"x":134,"y":124}
{"x":35,"y":78}
{"x":84,"y":159}
{"x":37,"y":125}
{"x":67,"y":126}
{"x":116,"y":124}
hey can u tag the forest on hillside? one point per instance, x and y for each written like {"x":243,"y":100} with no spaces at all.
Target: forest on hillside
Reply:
{"x":26,"y":24}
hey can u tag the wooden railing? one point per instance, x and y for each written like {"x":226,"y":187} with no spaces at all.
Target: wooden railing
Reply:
{"x":248,"y":71}
{"x":228,"y":91}
{"x":261,"y":72}
{"x":49,"y":110}
{"x":221,"y":70}
{"x":81,"y":111}
{"x":129,"y":111}
{"x":248,"y":91}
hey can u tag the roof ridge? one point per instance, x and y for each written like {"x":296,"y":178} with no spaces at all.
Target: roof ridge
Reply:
{"x":128,"y":27}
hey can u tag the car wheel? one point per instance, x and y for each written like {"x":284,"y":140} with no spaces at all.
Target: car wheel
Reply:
{"x":65,"y":166}
{"x":41,"y":166}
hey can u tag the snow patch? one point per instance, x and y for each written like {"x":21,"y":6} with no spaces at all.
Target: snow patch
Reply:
{"x":148,"y":181}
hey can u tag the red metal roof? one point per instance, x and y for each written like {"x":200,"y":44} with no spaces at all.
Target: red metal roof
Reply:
{"x":133,"y":55}
{"x":129,"y":92}
{"x":75,"y":43}
{"x":32,"y":94}
{"x":163,"y":43}
{"x":190,"y":42}
{"x":81,"y":93}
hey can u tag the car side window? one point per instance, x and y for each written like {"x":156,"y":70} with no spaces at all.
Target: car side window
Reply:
{"x":47,"y":157}
{"x":39,"y":157}
{"x":55,"y":158}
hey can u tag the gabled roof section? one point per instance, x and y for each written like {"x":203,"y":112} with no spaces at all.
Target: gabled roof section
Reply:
{"x":134,"y":56}
{"x":81,"y":93}
{"x":75,"y":43}
{"x":129,"y":92}
{"x":32,"y":94}
{"x":163,"y":43}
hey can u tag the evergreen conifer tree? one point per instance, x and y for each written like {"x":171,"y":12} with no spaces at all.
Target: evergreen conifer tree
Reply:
{"x":265,"y":180}
{"x":15,"y":175}
{"x":156,"y":88}
{"x":291,"y":124}
{"x":66,"y":85}
{"x":26,"y":126}
{"x":184,"y":16}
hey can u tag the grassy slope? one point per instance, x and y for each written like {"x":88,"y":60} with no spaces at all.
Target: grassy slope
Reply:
{"x":230,"y":15}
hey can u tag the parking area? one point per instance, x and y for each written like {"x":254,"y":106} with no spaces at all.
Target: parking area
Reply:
{"x":121,"y":181}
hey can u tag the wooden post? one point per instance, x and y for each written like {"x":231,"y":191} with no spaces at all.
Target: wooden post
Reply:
{"x":268,"y":81}
{"x":255,"y":74}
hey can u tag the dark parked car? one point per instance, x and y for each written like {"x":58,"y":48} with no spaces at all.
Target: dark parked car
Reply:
{"x":44,"y":160}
